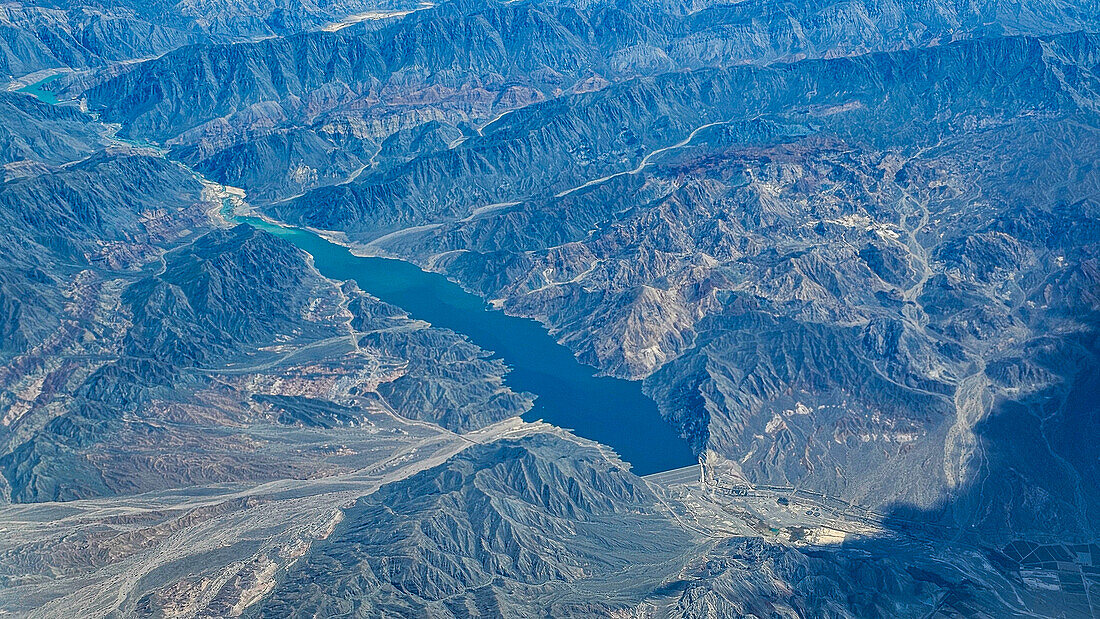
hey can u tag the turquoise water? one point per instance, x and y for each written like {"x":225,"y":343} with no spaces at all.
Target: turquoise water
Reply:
{"x":38,"y":89}
{"x":612,"y":411}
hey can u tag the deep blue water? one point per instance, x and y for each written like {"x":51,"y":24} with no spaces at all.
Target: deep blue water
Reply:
{"x":612,"y":411}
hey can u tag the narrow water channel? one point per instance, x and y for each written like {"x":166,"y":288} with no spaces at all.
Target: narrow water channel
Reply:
{"x":612,"y":411}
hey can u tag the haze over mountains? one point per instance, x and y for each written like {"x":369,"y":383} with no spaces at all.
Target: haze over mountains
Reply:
{"x":850,"y":249}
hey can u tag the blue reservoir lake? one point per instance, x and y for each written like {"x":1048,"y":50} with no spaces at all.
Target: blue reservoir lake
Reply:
{"x":38,"y":90}
{"x":611,"y":411}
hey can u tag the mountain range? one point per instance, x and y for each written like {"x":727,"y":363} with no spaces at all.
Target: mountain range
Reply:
{"x":851,"y":250}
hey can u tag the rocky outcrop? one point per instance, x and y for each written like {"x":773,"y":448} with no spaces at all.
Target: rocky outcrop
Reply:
{"x":496,"y":523}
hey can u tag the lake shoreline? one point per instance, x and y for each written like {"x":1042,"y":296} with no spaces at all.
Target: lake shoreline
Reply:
{"x":568,"y":394}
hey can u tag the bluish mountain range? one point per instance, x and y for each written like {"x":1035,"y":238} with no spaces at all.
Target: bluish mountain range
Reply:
{"x":850,"y":250}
